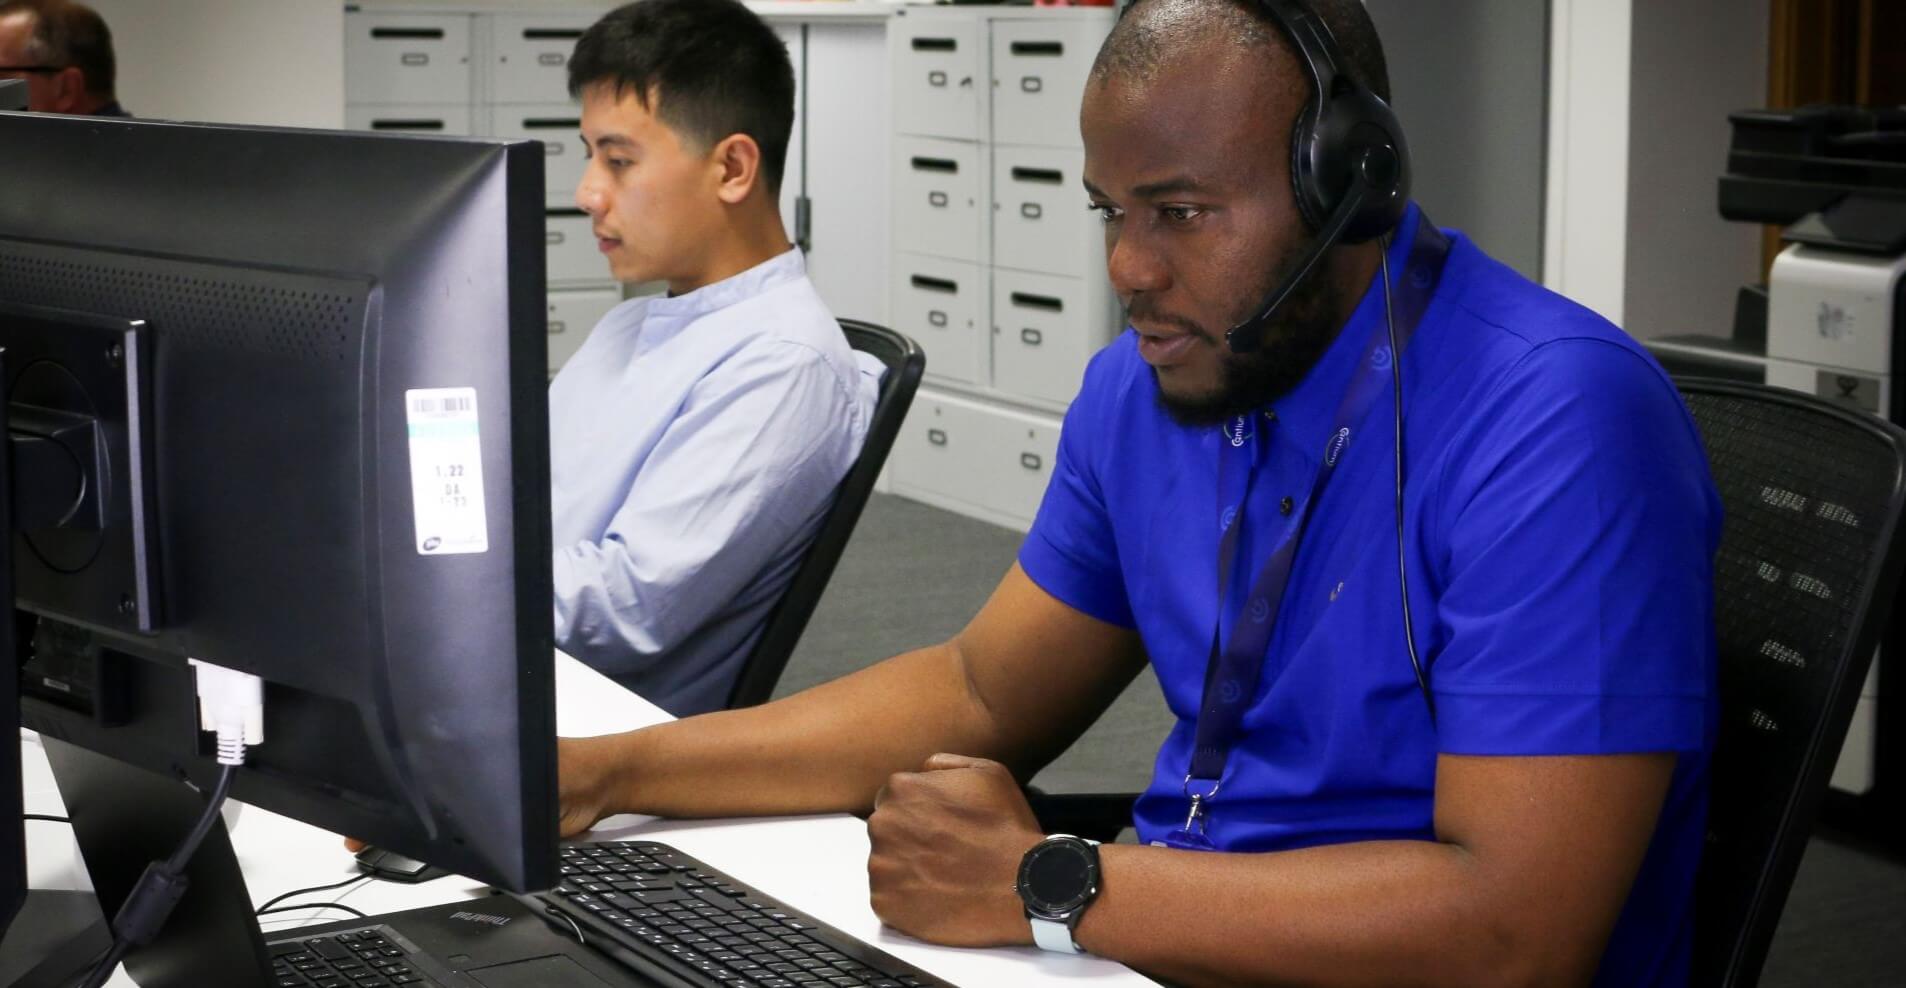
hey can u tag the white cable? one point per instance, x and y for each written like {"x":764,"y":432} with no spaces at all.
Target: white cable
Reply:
{"x":231,"y":704}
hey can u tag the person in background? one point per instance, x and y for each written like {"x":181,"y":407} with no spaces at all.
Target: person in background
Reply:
{"x":65,"y":53}
{"x":696,"y":439}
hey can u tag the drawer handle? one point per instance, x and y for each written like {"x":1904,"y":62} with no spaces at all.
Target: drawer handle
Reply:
{"x":414,"y":59}
{"x":936,"y":79}
{"x":947,"y":165}
{"x":1031,"y":337}
{"x":554,"y":237}
{"x":936,"y":44}
{"x":551,"y":33}
{"x":1031,"y":83}
{"x":937,"y":319}
{"x":1026,"y":300}
{"x":1049,"y":176}
{"x":552,"y":59}
{"x":1038,"y":48}
{"x":936,"y":284}
{"x":407,"y":33}
{"x":1031,"y":461}
{"x":551,"y":123}
{"x":936,"y":437}
{"x":557,"y":326}
{"x":1031,"y":210}
{"x":552,"y":149}
{"x":406,"y":125}
{"x":937,"y":200}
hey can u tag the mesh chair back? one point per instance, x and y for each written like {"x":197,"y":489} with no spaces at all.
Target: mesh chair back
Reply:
{"x":1808,"y":567}
{"x":905,"y":361}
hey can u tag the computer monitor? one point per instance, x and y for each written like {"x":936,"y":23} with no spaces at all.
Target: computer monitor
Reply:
{"x":12,"y":94}
{"x":276,"y":400}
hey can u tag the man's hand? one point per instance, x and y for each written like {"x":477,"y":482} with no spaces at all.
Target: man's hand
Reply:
{"x":946,"y":847}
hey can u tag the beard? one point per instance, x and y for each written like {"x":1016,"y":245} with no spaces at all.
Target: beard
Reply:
{"x":1294,"y":339}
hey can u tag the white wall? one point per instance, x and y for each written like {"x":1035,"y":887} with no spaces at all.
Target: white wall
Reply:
{"x":230,"y":61}
{"x":1639,"y":96}
{"x":1695,"y":61}
{"x":1584,"y":253}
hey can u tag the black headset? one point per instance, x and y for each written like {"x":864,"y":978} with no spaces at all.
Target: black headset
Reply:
{"x":1350,"y":167}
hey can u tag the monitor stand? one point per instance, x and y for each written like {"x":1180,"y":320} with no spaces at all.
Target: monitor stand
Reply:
{"x":126,"y":817}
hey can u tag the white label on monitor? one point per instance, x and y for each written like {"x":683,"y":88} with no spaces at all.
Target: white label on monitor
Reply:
{"x":446,"y":471}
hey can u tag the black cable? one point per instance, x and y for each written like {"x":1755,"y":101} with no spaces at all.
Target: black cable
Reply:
{"x":44,"y":818}
{"x":315,"y":888}
{"x":1402,"y":566}
{"x":159,"y":889}
{"x":339,"y":906}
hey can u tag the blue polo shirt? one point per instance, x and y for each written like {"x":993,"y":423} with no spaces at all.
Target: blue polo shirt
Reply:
{"x":1561,"y":527}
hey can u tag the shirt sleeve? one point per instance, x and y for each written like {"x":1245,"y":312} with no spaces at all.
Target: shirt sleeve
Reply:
{"x":1576,"y":615}
{"x":748,"y":465}
{"x":1070,"y":551}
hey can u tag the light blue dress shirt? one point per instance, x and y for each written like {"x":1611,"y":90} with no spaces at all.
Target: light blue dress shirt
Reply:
{"x":695,"y":444}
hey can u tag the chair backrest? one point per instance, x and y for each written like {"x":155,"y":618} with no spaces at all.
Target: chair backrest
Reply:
{"x":1809,"y":565}
{"x":905,"y":361}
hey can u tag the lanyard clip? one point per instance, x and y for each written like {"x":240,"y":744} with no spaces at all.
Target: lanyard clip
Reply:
{"x":1198,"y":801}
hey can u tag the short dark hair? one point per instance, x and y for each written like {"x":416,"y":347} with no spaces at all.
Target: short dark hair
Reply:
{"x":714,"y":67}
{"x":66,"y":33}
{"x":1139,"y":45}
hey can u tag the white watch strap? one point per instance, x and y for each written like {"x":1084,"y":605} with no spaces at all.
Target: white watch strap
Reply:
{"x":1054,"y":936}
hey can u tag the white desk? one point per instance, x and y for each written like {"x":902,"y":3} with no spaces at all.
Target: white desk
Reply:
{"x":815,"y":864}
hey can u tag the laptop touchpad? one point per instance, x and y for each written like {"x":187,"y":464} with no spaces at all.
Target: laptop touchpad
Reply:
{"x":538,"y":972}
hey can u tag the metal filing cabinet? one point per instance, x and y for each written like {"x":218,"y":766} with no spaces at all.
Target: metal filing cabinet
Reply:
{"x":1026,"y":267}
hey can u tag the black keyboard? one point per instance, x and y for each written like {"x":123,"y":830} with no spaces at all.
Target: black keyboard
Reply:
{"x":666,"y":908}
{"x":371,"y":957}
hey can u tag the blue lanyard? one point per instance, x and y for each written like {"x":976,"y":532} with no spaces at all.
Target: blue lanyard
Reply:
{"x":1239,"y":660}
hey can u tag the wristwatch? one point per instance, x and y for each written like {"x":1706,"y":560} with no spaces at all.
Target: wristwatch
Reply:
{"x":1058,"y":879}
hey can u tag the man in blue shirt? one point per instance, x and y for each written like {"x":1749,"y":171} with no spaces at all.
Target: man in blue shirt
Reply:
{"x":695,"y":440}
{"x":1541,"y":826}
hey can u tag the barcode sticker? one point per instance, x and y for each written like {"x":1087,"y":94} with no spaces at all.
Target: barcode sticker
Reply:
{"x":446,"y":471}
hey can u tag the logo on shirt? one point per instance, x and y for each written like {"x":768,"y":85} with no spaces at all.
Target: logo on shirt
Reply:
{"x":1236,"y":433}
{"x":1230,"y":692}
{"x":1380,"y":359}
{"x":1260,"y":611}
{"x":1336,"y":446}
{"x":1230,"y":515}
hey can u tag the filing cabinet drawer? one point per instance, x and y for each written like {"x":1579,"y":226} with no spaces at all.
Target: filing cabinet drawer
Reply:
{"x":409,"y":119}
{"x":572,"y":315}
{"x":1040,"y":222}
{"x":572,"y":248}
{"x":1045,"y":329}
{"x":970,"y":457}
{"x":559,"y":127}
{"x":942,"y":305}
{"x":938,"y":73}
{"x":1039,"y":69}
{"x":937,"y":190}
{"x":406,"y":58}
{"x":529,"y":56}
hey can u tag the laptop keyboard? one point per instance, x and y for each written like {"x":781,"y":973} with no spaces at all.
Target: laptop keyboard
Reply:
{"x":366,"y":958}
{"x":661,"y":905}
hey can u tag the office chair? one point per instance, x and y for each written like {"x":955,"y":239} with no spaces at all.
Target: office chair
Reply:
{"x":1805,"y":583}
{"x":905,"y":361}
{"x":1805,"y":580}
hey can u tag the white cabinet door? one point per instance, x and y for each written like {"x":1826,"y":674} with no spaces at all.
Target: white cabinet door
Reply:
{"x":848,"y":160}
{"x":406,"y":58}
{"x":529,"y":55}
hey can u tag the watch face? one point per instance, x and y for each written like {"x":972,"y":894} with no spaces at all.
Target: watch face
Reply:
{"x":1057,"y":877}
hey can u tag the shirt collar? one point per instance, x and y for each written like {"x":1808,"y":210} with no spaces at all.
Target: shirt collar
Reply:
{"x":1304,"y":415}
{"x":664,"y":318}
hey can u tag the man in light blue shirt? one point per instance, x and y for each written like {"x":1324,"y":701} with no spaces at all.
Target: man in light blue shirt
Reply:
{"x":695,"y":440}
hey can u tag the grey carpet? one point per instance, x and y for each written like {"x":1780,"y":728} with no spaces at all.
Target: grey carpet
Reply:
{"x":914,"y":575}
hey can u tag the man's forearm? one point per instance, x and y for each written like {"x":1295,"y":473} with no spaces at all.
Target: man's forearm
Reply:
{"x":827,"y":749}
{"x":1379,"y":913}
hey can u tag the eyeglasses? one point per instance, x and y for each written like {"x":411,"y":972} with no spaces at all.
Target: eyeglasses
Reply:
{"x":31,"y":68}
